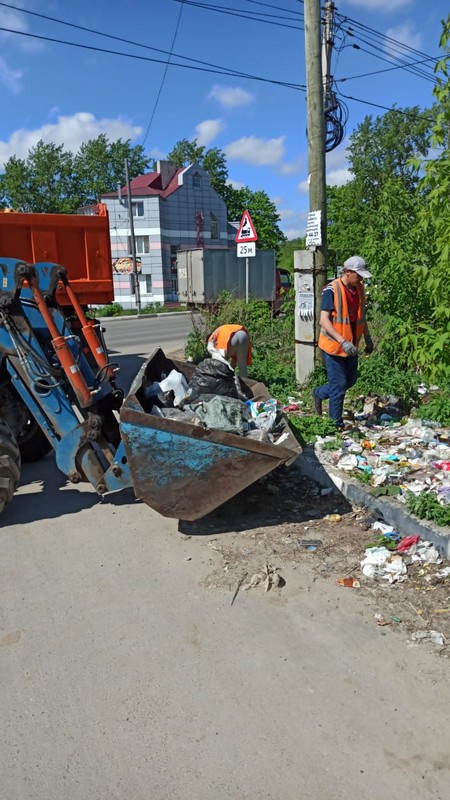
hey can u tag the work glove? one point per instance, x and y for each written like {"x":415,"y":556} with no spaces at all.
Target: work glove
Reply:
{"x":349,"y":348}
{"x":369,"y":344}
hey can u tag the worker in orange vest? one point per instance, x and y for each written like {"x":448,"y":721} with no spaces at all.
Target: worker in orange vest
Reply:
{"x":343,"y":323}
{"x":232,"y":343}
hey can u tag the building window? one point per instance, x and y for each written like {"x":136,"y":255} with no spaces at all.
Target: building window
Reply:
{"x":214,"y":227}
{"x":132,"y":283}
{"x":142,"y":244}
{"x":148,"y":284}
{"x":197,"y":180}
{"x":138,"y":208}
{"x":173,"y":257}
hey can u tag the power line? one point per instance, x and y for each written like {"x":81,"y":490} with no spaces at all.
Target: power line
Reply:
{"x":163,"y":77}
{"x":236,"y":12}
{"x":277,"y":8}
{"x":232,"y":72}
{"x":223,"y":71}
{"x":381,"y":35}
{"x":379,"y":71}
{"x":387,"y":108}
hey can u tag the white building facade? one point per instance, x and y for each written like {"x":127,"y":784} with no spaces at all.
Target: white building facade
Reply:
{"x":173,"y":209}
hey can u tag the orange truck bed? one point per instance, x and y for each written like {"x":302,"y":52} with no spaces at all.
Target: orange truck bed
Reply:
{"x":80,"y":243}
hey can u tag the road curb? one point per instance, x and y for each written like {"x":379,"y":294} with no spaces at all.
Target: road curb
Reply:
{"x":145,"y":316}
{"x":391,"y":511}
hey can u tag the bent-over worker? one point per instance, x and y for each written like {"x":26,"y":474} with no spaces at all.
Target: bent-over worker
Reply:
{"x":343,"y":323}
{"x":232,"y":342}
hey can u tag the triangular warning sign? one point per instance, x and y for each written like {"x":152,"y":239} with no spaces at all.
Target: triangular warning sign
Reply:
{"x":246,"y":231}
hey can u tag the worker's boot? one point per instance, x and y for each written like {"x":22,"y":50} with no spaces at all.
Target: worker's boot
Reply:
{"x":317,"y":404}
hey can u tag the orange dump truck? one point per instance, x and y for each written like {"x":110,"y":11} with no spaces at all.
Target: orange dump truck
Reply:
{"x":81,"y":243}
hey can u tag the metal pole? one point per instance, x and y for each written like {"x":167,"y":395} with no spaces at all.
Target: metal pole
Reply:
{"x":246,"y":280}
{"x":316,"y":145}
{"x":137,"y":288}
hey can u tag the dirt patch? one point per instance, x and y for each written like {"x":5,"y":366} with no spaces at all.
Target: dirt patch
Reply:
{"x":285,"y":526}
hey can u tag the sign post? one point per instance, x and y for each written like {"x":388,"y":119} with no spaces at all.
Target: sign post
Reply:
{"x":245,"y":238}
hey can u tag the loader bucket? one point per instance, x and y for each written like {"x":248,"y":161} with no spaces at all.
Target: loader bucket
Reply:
{"x":183,"y":470}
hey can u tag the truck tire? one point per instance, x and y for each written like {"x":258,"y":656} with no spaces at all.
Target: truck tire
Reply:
{"x":33,"y":443}
{"x":9,"y":464}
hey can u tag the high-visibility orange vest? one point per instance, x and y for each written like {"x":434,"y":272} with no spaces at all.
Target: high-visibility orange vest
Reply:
{"x":221,"y":339}
{"x":341,"y":320}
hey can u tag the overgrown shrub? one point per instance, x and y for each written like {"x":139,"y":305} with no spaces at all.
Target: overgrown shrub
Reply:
{"x":110,"y":310}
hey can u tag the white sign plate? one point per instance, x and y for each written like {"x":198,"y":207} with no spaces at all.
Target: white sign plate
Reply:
{"x":246,"y":250}
{"x":314,"y":229}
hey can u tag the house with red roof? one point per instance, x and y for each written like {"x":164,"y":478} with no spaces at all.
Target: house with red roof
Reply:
{"x":173,"y":209}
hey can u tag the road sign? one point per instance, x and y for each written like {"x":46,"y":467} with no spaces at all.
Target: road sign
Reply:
{"x":246,"y":231}
{"x":246,"y":250}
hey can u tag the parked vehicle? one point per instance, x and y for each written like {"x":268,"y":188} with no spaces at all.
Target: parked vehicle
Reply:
{"x":204,"y":273}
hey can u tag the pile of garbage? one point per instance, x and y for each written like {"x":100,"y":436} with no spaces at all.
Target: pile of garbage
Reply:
{"x":393,"y":454}
{"x":215,"y":398}
{"x":390,"y":555}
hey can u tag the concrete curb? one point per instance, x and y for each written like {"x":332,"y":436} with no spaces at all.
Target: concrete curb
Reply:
{"x":391,"y":511}
{"x":144,"y":316}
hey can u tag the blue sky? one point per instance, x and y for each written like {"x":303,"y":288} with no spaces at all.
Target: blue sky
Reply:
{"x":67,"y":95}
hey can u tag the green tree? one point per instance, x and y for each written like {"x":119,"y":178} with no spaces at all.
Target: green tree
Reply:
{"x":286,"y":252}
{"x":428,"y":344}
{"x":43,"y":182}
{"x":51,"y":179}
{"x":383,"y":152}
{"x":213,"y":161}
{"x":99,"y":166}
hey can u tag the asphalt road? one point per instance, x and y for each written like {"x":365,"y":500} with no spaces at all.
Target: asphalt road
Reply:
{"x":124,"y":678}
{"x":141,"y":335}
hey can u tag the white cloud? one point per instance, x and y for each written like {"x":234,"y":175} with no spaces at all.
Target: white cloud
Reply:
{"x":286,"y":213}
{"x":236,"y":184}
{"x":10,"y":78}
{"x":379,"y":5}
{"x":230,"y":97}
{"x":17,"y":21}
{"x":252,"y":150}
{"x":292,"y":168}
{"x":207,"y":130}
{"x":405,"y":34}
{"x":303,"y":187}
{"x":337,"y":177}
{"x":157,"y":153}
{"x":68,"y":131}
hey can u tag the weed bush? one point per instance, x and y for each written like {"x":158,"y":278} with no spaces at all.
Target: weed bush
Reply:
{"x":437,"y":408}
{"x":306,"y":429}
{"x":272,"y":339}
{"x":427,"y":506}
{"x":110,"y":310}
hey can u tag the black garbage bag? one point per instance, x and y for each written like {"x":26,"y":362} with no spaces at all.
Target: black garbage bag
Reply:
{"x":212,"y":377}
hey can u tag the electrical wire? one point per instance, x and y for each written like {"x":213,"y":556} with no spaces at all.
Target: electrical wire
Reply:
{"x":155,"y":105}
{"x":379,"y":71}
{"x":236,"y":12}
{"x":231,"y":71}
{"x":299,"y":87}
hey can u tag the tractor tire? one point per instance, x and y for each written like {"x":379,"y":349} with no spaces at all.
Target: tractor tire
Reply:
{"x":9,"y":464}
{"x":33,"y":443}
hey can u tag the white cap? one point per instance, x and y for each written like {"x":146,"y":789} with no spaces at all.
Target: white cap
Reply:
{"x":357,"y":264}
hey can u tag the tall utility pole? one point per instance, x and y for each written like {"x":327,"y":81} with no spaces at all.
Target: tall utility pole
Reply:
{"x":316,"y":143}
{"x":137,"y":288}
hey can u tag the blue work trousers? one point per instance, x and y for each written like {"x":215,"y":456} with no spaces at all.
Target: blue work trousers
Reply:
{"x":342,"y":372}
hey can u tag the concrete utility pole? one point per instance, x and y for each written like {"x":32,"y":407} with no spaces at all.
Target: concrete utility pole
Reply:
{"x":137,"y":288}
{"x":316,"y":142}
{"x":310,"y":266}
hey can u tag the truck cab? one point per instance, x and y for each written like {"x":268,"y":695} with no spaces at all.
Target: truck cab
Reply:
{"x":283,"y":282}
